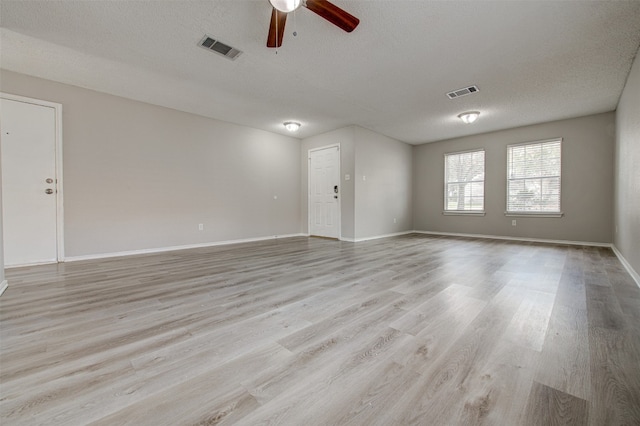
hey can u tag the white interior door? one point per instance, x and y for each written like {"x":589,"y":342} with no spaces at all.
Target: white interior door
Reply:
{"x":29,"y":200}
{"x":324,"y":192}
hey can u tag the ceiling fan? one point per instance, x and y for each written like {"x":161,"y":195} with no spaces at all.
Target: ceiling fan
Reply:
{"x":325,"y":9}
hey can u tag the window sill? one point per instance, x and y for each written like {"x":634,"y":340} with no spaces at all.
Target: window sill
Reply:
{"x":533,"y":214}
{"x":463,"y":213}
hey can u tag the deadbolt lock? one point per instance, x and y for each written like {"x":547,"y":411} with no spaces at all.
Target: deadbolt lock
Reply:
{"x":48,"y":191}
{"x":49,"y":180}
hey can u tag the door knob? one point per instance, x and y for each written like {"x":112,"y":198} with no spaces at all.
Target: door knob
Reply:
{"x":49,"y":180}
{"x":48,"y":191}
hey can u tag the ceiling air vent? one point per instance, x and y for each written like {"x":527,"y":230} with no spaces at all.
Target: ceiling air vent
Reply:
{"x":463,"y":92}
{"x":219,"y":47}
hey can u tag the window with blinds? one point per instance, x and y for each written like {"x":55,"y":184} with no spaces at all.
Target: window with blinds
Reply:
{"x":533,"y":177}
{"x":464,"y":181}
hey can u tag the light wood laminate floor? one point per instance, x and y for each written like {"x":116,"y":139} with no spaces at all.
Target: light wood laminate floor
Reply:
{"x":413,"y":330}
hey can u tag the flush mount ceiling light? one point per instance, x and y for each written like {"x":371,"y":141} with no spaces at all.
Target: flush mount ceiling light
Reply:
{"x":285,"y":6}
{"x":292,"y":126}
{"x":469,"y":116}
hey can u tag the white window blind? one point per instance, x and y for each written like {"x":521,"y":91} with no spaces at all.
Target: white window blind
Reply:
{"x":533,"y":177}
{"x":464,"y":181}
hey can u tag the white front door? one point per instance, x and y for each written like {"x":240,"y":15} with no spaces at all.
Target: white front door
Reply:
{"x":29,"y":200}
{"x":324,"y":192}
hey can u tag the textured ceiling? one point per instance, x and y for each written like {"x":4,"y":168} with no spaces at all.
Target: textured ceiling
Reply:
{"x":534,"y":61}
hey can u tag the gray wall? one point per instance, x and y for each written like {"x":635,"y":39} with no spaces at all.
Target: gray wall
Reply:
{"x":386,"y":194}
{"x":138,"y":176}
{"x":587,"y":182}
{"x":627,"y":179}
{"x":346,"y":138}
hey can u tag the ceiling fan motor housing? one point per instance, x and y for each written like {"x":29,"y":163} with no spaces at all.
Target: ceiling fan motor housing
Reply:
{"x":323,"y":8}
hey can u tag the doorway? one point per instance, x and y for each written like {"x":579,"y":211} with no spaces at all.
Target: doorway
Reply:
{"x":31,"y":149}
{"x":324,"y":192}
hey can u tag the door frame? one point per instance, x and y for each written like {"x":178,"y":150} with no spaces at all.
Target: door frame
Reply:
{"x":339,"y":219}
{"x":57,"y":108}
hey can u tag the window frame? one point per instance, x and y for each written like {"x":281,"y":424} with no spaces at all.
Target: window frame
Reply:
{"x":448,"y":212}
{"x":550,"y":214}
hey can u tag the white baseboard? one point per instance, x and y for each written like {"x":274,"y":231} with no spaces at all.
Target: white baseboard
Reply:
{"x":627,"y":265}
{"x":24,"y":265}
{"x":376,"y":237}
{"x":531,"y":240}
{"x":173,"y":248}
{"x":3,"y":286}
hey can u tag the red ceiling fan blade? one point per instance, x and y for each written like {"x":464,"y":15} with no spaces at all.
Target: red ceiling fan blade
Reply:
{"x":278,"y":19}
{"x":333,"y":14}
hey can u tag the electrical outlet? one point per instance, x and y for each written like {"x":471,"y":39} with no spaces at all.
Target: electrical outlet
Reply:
{"x":513,"y":222}
{"x":201,"y":227}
